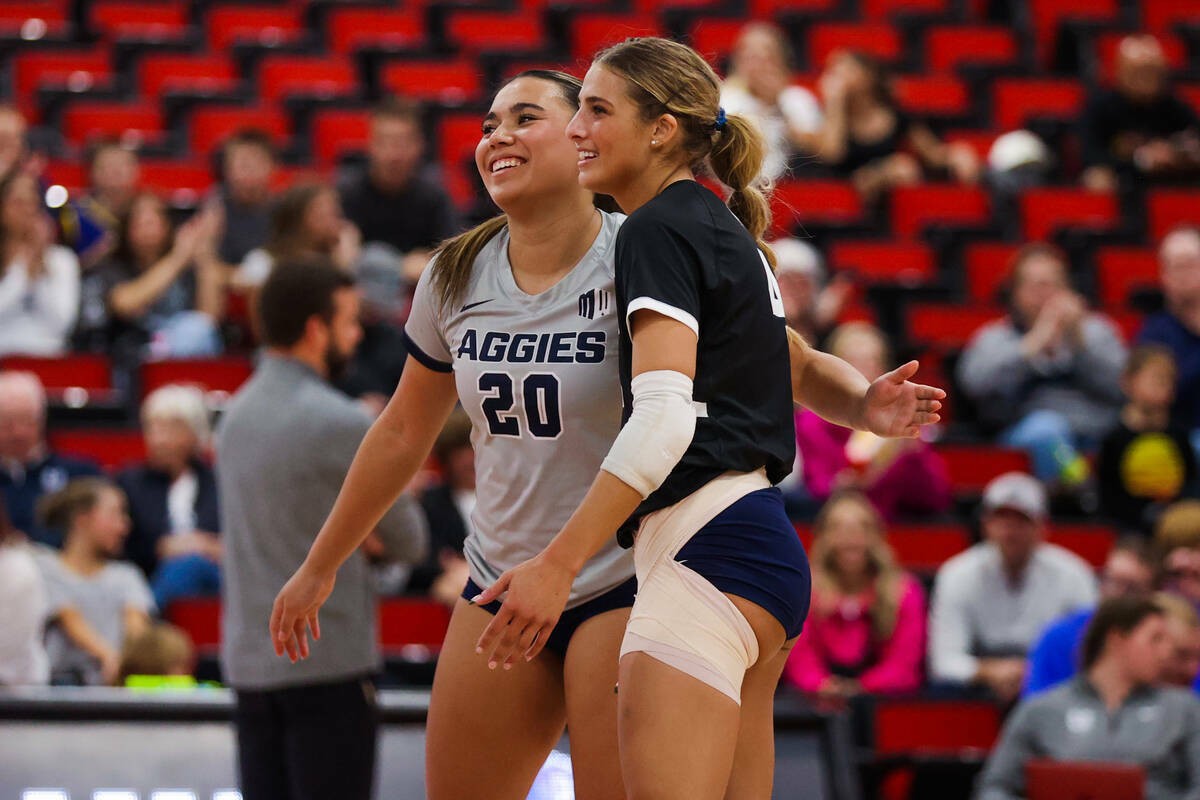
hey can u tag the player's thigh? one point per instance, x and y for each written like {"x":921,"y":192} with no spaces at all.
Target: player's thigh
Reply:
{"x":488,"y":731}
{"x":677,"y":733}
{"x":590,"y":675}
{"x":753,"y":772}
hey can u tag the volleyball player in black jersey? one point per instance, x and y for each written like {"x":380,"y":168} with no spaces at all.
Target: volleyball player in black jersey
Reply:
{"x":723,"y":583}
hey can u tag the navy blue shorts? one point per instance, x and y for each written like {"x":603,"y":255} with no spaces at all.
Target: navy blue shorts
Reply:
{"x":620,"y":596}
{"x":751,"y":550}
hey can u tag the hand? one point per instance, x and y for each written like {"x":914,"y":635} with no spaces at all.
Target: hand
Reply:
{"x":110,"y":667}
{"x":537,"y":593}
{"x":188,"y":238}
{"x":833,"y":87}
{"x":1071,"y":313}
{"x":296,"y":605}
{"x":1003,"y":676}
{"x":895,"y":407}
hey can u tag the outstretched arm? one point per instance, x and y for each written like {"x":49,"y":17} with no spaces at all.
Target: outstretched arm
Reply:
{"x":890,"y":406}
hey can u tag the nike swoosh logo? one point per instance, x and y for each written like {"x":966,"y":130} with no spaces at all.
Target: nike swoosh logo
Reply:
{"x":469,"y":306}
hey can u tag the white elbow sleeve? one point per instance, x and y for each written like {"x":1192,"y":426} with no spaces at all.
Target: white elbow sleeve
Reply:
{"x":658,"y":432}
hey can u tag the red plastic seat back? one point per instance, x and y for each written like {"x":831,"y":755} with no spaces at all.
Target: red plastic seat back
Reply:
{"x":1167,"y":208}
{"x":947,"y":48}
{"x":591,"y":33}
{"x":877,"y":39}
{"x":905,"y":263}
{"x":988,"y":265}
{"x":972,"y":467}
{"x":412,"y":621}
{"x":351,"y":29}
{"x":163,"y":72}
{"x":222,"y":375}
{"x":924,"y":548}
{"x":449,"y":82}
{"x":813,"y":201}
{"x":111,"y":449}
{"x":930,"y":726}
{"x":1017,"y":100}
{"x":1123,"y":270}
{"x":916,"y":207}
{"x":947,"y":327}
{"x":80,"y":370}
{"x":1092,"y":543}
{"x":316,"y":76}
{"x":201,"y":618}
{"x":210,"y":126}
{"x":1045,"y":211}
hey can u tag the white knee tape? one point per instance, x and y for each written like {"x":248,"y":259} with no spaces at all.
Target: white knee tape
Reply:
{"x":679,"y":618}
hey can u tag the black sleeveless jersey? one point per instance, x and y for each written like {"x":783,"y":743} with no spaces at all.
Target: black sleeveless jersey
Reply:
{"x":686,"y":256}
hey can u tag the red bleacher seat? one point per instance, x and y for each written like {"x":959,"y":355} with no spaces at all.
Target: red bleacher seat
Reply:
{"x":336,"y":132}
{"x":813,"y":201}
{"x":457,"y":136}
{"x":591,"y":33}
{"x":121,"y":19}
{"x":932,"y":95}
{"x":70,"y":174}
{"x":1048,"y":14}
{"x":88,"y":371}
{"x":1162,"y":15}
{"x":412,"y":621}
{"x":1044,"y":211}
{"x":88,"y":120}
{"x":935,"y":726}
{"x":714,"y":38}
{"x":947,"y":327}
{"x":33,"y":19}
{"x":76,"y":69}
{"x":987,"y":265}
{"x":878,"y":39}
{"x":266,"y":25}
{"x":201,"y":618}
{"x":906,"y":263}
{"x":1107,"y":44}
{"x":948,"y":47}
{"x":281,"y":76}
{"x":1166,"y":208}
{"x":514,"y":68}
{"x":916,"y":207}
{"x":473,"y":31}
{"x":1017,"y":100}
{"x":167,"y":72}
{"x":979,"y":141}
{"x":765,"y":9}
{"x":351,"y":29}
{"x":924,"y":548}
{"x":450,"y":82}
{"x":111,"y":449}
{"x":211,"y":125}
{"x":1092,"y":543}
{"x":1190,"y":94}
{"x":224,"y":374}
{"x":1122,"y":270}
{"x":877,"y":9}
{"x":177,"y":178}
{"x":971,"y":467}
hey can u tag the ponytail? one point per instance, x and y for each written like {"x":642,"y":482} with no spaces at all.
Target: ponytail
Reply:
{"x":736,"y":160}
{"x":454,"y":259}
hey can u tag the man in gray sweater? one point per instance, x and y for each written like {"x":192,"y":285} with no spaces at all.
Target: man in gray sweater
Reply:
{"x":305,"y":730}
{"x":1049,"y":373}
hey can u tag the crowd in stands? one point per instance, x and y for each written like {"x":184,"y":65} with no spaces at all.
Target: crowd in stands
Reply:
{"x":1109,"y":417}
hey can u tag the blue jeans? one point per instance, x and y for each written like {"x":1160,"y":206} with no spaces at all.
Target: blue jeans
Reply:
{"x":1047,"y":436}
{"x":187,"y":334}
{"x":185,"y":576}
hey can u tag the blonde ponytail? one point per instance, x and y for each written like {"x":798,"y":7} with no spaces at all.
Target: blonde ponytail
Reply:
{"x":736,"y":160}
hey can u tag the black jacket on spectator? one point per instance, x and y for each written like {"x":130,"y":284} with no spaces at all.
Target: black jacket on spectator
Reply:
{"x":23,"y":488}
{"x":246,"y":227}
{"x":1111,"y":114}
{"x":1141,"y":473}
{"x":147,"y":490}
{"x":417,"y":217}
{"x":377,"y":363}
{"x":447,"y":531}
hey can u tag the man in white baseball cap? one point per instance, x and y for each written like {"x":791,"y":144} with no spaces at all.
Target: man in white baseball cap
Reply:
{"x":991,"y":601}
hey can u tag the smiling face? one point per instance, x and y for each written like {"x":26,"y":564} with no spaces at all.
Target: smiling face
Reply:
{"x":609,"y":133}
{"x":523,"y":153}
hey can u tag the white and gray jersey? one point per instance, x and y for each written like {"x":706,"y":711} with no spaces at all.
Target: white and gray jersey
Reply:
{"x":537,"y":374}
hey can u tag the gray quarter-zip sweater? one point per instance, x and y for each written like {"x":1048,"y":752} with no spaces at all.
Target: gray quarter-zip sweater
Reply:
{"x":284,"y":446}
{"x":1157,"y":729}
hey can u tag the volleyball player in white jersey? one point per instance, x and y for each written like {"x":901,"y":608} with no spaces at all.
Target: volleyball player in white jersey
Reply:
{"x":723,"y":583}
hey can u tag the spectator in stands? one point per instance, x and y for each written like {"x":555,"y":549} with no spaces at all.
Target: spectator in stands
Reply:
{"x":399,"y":206}
{"x":306,"y":222}
{"x":866,"y":629}
{"x":1049,"y":373}
{"x":810,"y":305}
{"x":1177,"y":542}
{"x":1145,"y":462}
{"x":13,"y":147}
{"x":23,"y":659}
{"x":448,"y":506}
{"x":173,"y":498}
{"x":114,"y":174}
{"x":39,"y":281}
{"x":284,"y":445}
{"x":898,"y":475}
{"x":1178,"y":325}
{"x":94,"y":601}
{"x":759,"y":86}
{"x":247,"y":167}
{"x":991,"y":602}
{"x":1139,"y":130}
{"x":1183,"y":631}
{"x":161,"y":649}
{"x":1114,"y":712}
{"x":28,"y":467}
{"x":161,"y":294}
{"x":1055,"y":657}
{"x":867,"y":138}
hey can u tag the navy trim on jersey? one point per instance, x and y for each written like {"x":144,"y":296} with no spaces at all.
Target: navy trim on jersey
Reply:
{"x":423,"y":358}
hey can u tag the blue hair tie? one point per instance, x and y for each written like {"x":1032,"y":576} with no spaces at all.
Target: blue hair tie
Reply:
{"x":720,"y":123}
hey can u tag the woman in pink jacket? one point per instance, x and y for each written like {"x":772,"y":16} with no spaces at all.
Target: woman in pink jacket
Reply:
{"x":866,"y":627}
